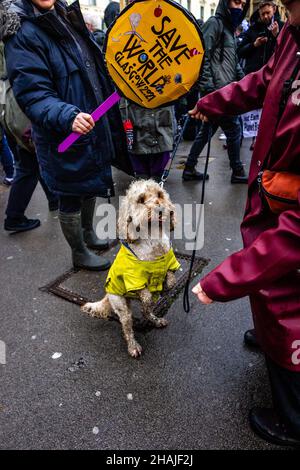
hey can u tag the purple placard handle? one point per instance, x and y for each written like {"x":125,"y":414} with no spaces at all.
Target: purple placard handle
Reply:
{"x":96,"y":115}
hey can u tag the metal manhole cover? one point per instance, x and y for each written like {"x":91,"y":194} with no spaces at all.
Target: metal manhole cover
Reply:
{"x":80,"y":286}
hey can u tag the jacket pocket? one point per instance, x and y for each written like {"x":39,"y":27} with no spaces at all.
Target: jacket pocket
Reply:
{"x":165,"y":118}
{"x":74,"y":165}
{"x":63,"y":68}
{"x":65,"y":76}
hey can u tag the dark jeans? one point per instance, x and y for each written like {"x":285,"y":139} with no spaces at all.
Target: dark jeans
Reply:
{"x":72,"y":204}
{"x":285,"y":386}
{"x":6,"y":157}
{"x":231,"y":128}
{"x":24,"y":184}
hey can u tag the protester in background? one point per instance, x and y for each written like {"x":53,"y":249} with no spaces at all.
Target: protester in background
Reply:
{"x":257,"y":44}
{"x":58,"y":88}
{"x":221,"y":66}
{"x":92,"y":23}
{"x":111,"y":12}
{"x":184,"y":104}
{"x":27,"y":176}
{"x":267,"y":269}
{"x":153,"y":137}
{"x":27,"y":173}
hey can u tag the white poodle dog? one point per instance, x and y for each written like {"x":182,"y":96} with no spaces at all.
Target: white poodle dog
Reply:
{"x":145,"y":263}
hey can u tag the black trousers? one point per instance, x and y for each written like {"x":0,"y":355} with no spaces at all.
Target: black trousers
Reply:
{"x":232,"y":129}
{"x":71,"y":204}
{"x":24,"y":184}
{"x":285,"y":386}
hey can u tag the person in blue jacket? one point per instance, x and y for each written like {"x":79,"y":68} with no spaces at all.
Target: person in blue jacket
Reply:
{"x":59,"y":77}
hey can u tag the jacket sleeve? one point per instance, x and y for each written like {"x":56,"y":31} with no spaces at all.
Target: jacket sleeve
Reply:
{"x":238,"y":97}
{"x":211,"y":35}
{"x":239,"y":72}
{"x":273,"y":254}
{"x":33,"y":85}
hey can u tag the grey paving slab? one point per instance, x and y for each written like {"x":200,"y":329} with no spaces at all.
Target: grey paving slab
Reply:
{"x":193,"y":386}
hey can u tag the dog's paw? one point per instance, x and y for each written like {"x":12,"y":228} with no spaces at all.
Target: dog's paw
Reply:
{"x":89,"y":308}
{"x":161,"y":323}
{"x":135,"y":349}
{"x":170,"y":281}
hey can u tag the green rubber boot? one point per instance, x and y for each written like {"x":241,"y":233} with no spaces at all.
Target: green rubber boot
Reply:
{"x":89,"y":235}
{"x":81,"y":256}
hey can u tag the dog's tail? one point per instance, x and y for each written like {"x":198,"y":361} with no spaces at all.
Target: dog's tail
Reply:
{"x":101,"y":309}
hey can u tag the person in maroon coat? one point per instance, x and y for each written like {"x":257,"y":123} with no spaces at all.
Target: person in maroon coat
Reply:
{"x":268,"y":268}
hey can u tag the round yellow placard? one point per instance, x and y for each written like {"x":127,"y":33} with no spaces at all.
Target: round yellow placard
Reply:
{"x":154,"y":52}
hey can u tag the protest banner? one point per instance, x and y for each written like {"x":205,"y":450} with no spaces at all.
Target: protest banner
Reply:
{"x":154,"y":54}
{"x":250,"y":123}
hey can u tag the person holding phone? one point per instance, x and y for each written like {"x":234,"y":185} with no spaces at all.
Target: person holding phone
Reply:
{"x":257,"y":44}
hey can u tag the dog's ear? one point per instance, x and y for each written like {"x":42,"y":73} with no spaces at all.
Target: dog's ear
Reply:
{"x":126,"y":228}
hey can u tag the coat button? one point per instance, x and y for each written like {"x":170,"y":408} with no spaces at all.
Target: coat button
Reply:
{"x":87,"y":63}
{"x":258,"y":163}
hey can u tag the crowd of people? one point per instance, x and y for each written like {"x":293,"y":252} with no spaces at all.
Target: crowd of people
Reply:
{"x":54,"y":71}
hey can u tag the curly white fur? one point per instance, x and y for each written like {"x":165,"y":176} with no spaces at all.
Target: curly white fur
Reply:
{"x":146,"y":217}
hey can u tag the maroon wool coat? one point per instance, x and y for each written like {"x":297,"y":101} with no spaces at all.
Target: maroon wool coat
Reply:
{"x":268,"y":268}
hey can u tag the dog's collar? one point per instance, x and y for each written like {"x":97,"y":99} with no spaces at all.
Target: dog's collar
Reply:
{"x":126,"y":244}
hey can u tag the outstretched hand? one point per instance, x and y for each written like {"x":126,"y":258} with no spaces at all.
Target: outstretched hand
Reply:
{"x":196,"y":114}
{"x":201,"y":295}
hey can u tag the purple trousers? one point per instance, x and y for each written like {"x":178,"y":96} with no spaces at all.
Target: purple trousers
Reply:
{"x":149,"y":165}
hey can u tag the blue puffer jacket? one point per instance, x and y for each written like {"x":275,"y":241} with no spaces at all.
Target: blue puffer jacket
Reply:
{"x":52,"y":85}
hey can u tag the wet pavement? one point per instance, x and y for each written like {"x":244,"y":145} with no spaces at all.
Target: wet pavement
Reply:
{"x":68,"y":382}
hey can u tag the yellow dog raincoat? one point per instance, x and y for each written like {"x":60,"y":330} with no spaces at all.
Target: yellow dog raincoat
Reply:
{"x":128,"y":274}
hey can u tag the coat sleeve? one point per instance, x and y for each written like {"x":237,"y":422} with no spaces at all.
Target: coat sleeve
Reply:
{"x":239,"y":72}
{"x":33,"y":85}
{"x":238,"y":97}
{"x":211,"y":36}
{"x":273,"y":254}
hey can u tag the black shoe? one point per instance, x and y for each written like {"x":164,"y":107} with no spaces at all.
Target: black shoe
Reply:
{"x":191,"y":174}
{"x":8,"y":181}
{"x":21,"y":225}
{"x":250,"y":339}
{"x":239,"y":176}
{"x":266,"y":425}
{"x":53,"y":206}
